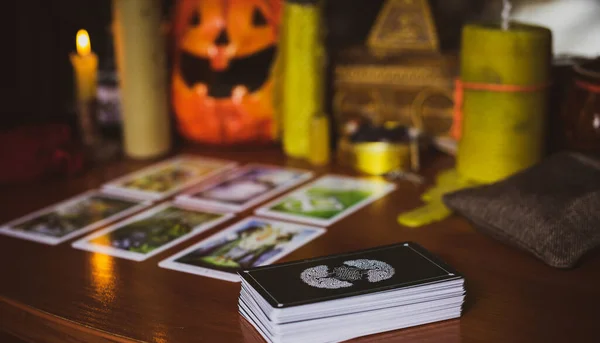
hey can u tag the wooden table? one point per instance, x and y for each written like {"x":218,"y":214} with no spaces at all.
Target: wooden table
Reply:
{"x":60,"y":294}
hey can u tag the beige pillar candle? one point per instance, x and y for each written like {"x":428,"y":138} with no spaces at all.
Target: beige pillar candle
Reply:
{"x":142,"y":69}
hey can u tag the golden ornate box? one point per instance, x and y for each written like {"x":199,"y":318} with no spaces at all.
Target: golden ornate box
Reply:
{"x":399,"y":76}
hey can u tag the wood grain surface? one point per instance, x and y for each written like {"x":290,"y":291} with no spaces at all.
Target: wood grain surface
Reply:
{"x":61,"y":294}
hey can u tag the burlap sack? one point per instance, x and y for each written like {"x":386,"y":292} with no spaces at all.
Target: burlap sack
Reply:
{"x":551,"y":210}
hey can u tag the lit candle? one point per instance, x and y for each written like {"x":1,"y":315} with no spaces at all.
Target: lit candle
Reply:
{"x":85,"y":66}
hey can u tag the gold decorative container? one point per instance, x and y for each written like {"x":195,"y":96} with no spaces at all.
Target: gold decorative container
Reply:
{"x":399,"y":76}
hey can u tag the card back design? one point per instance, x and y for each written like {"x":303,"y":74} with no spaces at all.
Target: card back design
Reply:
{"x":347,"y":274}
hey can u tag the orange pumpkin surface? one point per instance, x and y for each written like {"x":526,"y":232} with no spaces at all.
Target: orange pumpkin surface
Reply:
{"x":222,"y":85}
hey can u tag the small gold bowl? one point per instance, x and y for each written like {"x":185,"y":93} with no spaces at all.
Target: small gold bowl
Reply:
{"x":378,"y":158}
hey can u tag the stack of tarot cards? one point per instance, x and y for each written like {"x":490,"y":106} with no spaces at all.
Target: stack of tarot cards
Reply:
{"x":340,"y":297}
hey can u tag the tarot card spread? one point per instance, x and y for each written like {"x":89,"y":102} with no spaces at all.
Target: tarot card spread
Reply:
{"x":326,"y":200}
{"x":72,"y":217}
{"x":245,"y":187}
{"x":151,"y":232}
{"x":166,"y":178}
{"x":249,"y":243}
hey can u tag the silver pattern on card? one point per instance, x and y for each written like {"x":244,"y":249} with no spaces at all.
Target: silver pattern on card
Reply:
{"x":347,"y":274}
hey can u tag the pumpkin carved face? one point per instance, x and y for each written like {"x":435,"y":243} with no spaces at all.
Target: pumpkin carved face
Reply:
{"x":222,"y":84}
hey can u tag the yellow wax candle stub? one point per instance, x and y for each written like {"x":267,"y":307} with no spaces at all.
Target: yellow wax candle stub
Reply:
{"x":378,"y":158}
{"x":142,"y":70}
{"x":319,"y":141}
{"x":503,"y":131}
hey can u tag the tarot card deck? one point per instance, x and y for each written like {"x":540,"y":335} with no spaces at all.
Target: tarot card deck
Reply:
{"x":339,"y":297}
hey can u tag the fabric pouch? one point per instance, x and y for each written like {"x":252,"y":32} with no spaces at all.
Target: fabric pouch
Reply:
{"x":551,"y":210}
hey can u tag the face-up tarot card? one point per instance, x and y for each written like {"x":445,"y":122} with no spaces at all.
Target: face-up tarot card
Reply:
{"x":72,"y":217}
{"x":249,"y":243}
{"x":326,"y":200}
{"x":168,"y":177}
{"x":245,"y":187}
{"x":151,"y":231}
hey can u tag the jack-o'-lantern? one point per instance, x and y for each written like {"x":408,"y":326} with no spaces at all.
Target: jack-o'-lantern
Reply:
{"x":224,"y":53}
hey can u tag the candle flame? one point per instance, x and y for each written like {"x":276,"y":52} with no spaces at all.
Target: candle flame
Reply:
{"x":82,"y":41}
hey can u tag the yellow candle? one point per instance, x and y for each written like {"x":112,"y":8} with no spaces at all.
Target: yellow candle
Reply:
{"x":503,"y":131}
{"x":301,"y":76}
{"x":85,"y":66}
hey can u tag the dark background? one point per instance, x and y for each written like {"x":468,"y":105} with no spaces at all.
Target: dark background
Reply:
{"x":37,"y":83}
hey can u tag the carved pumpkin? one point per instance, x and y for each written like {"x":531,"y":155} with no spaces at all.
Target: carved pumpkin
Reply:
{"x":224,"y":52}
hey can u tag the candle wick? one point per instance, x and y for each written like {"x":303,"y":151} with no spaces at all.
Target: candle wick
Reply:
{"x":505,"y":15}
